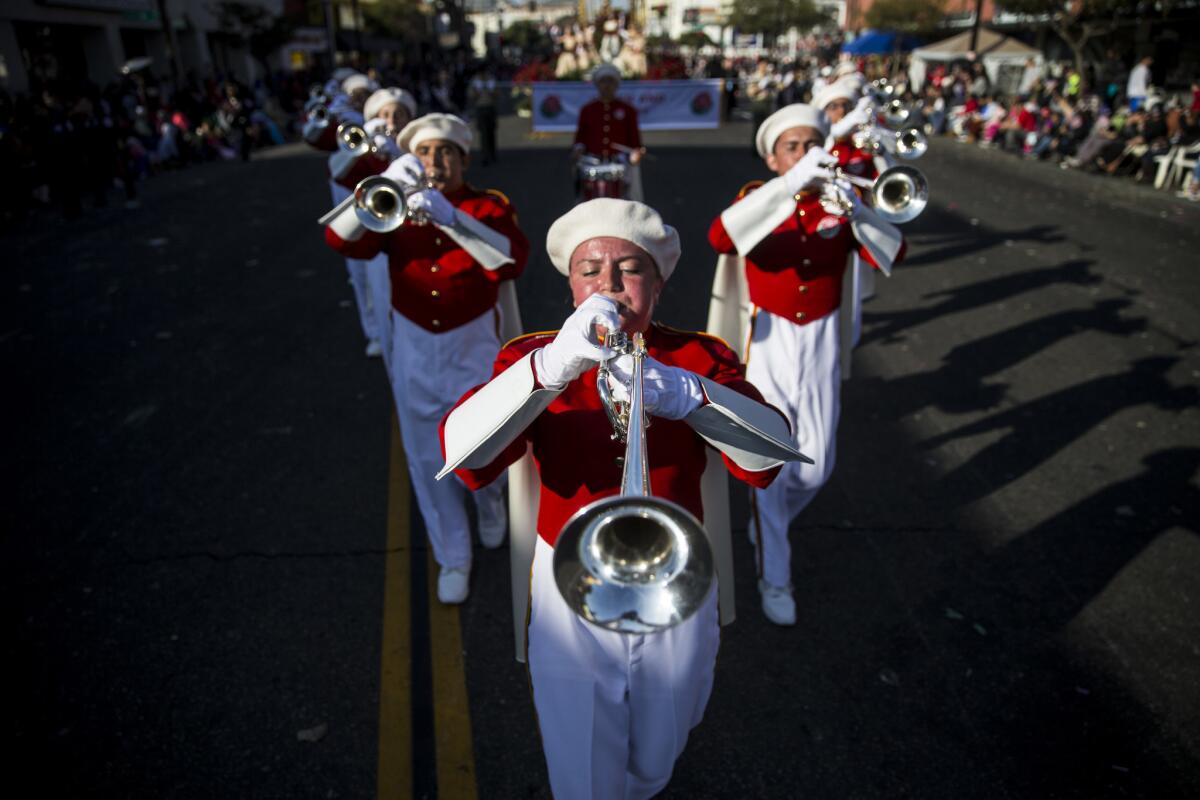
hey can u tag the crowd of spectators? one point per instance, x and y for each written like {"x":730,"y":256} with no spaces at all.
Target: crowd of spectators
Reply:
{"x":1111,"y":121}
{"x":75,"y":141}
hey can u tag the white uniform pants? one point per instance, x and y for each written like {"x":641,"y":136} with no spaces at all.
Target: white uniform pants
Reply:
{"x":797,"y":370}
{"x":430,"y":371}
{"x":357,"y":270}
{"x":379,"y":285}
{"x":614,"y":709}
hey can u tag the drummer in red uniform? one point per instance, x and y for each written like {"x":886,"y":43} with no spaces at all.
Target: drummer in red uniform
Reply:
{"x":608,"y":126}
{"x":446,"y":280}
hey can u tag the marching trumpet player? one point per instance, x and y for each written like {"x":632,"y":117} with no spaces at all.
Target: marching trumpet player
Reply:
{"x":614,"y":708}
{"x":777,"y":292}
{"x":447,"y":276}
{"x":386,"y":111}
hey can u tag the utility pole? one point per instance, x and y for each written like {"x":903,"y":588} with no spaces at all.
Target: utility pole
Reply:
{"x":330,"y":33}
{"x":975,"y":25}
{"x":172,"y":46}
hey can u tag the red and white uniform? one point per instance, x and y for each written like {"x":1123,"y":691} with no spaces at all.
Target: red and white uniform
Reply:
{"x":794,"y":278}
{"x":603,"y":124}
{"x":614,"y":709}
{"x":445,"y":338}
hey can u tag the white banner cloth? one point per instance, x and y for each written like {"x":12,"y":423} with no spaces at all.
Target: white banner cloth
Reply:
{"x":661,"y":105}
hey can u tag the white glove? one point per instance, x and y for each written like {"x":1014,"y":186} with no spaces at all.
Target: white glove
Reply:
{"x":406,"y":170}
{"x":668,"y":392}
{"x":846,"y":125}
{"x":813,"y":168}
{"x":866,"y":104}
{"x":846,"y":189}
{"x":434,"y":204}
{"x":577,"y":348}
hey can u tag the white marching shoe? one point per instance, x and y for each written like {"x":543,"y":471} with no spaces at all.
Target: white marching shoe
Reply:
{"x":777,"y":603}
{"x":453,"y":585}
{"x":374,"y":349}
{"x":493,"y":521}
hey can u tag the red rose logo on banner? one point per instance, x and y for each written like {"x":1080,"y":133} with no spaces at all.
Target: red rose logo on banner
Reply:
{"x":551,"y":107}
{"x":701,"y":103}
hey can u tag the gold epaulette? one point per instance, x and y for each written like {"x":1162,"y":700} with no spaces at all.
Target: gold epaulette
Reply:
{"x":500,"y":194}
{"x":524,"y":336}
{"x":749,"y":187}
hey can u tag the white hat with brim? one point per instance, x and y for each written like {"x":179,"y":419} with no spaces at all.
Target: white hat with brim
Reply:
{"x":386,"y":97}
{"x":797,"y":115}
{"x":634,"y":222}
{"x":436,"y":126}
{"x":841,"y":89}
{"x":356,"y":82}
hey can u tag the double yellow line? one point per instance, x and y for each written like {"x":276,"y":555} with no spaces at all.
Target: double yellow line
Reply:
{"x":451,"y":711}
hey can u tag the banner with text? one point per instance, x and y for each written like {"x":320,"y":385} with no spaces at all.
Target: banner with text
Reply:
{"x":661,"y":105}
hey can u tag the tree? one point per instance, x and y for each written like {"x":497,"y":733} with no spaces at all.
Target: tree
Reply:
{"x":1080,"y":21}
{"x":774,"y":18}
{"x":909,"y":16}
{"x":262,"y":32}
{"x":695,"y":39}
{"x":403,"y":19}
{"x":529,"y":37}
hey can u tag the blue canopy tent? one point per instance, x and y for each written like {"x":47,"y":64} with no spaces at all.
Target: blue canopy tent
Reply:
{"x":880,"y":43}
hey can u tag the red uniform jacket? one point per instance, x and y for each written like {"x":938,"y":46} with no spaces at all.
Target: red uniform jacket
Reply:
{"x":435,"y":283}
{"x":796,"y":272}
{"x":326,"y":138}
{"x":601,"y":125}
{"x":572,"y":444}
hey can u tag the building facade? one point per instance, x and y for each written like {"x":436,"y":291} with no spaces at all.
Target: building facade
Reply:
{"x":44,"y":41}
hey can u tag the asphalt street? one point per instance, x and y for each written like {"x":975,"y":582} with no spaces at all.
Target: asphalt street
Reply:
{"x":209,"y":541}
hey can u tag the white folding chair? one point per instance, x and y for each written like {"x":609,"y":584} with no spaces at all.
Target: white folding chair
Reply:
{"x":1165,"y":163}
{"x":1185,"y":162}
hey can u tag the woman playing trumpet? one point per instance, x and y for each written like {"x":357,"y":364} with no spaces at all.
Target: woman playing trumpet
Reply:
{"x":785,"y":243}
{"x":614,"y":709}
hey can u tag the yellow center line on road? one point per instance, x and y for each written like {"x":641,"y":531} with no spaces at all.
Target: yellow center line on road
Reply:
{"x":451,"y":709}
{"x":394,"y":775}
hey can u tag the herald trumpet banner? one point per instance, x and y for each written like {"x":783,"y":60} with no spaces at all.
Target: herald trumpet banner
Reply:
{"x":632,"y":563}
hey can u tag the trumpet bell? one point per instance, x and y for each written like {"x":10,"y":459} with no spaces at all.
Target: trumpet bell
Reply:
{"x":633,"y":564}
{"x":318,"y":116}
{"x":895,"y":114}
{"x":911,"y":144}
{"x":352,"y":138}
{"x":379,"y":204}
{"x":900,"y":194}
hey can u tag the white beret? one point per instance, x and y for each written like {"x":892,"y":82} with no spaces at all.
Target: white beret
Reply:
{"x":841,"y":89}
{"x":436,"y":126}
{"x":855,"y":81}
{"x":794,"y":116}
{"x":622,"y":219}
{"x":606,"y":70}
{"x":355,"y":82}
{"x":385,"y":97}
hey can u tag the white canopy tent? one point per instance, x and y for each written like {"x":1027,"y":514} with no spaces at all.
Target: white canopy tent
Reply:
{"x":1003,"y":58}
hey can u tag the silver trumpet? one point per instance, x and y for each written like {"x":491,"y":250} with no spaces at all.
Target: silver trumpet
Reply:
{"x":632,"y":563}
{"x":318,"y":116}
{"x":908,"y":144}
{"x":353,"y":139}
{"x":895,"y":113}
{"x":899,"y":194}
{"x":381,"y":204}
